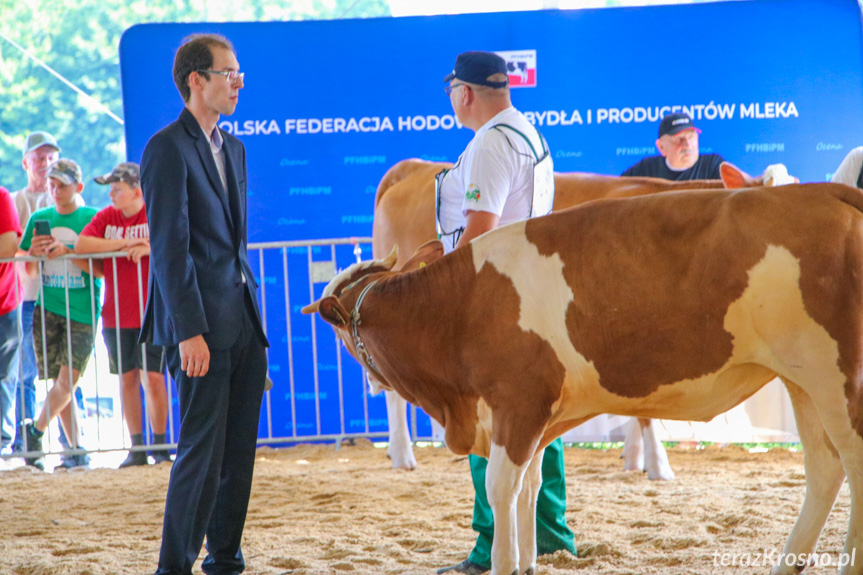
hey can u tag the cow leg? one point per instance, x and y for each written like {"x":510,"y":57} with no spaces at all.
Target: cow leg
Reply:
{"x":643,"y":451}
{"x":503,"y":482}
{"x":400,"y":450}
{"x":845,"y":441}
{"x":655,"y":457}
{"x":633,"y":449}
{"x":527,"y":500}
{"x":824,"y":476}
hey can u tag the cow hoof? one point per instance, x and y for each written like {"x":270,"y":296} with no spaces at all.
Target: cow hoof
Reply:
{"x":402,"y":458}
{"x":792,"y":569}
{"x":660,"y":474}
{"x":632,"y":460}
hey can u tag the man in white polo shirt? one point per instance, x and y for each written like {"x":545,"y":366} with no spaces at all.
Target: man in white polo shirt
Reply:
{"x":505,"y":175}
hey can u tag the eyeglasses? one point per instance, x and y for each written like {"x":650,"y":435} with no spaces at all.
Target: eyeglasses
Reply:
{"x":232,"y":76}
{"x":451,"y":87}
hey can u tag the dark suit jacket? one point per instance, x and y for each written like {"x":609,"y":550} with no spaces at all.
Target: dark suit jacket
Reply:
{"x":197,"y":238}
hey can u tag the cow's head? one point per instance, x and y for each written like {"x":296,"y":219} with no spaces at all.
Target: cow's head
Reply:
{"x":347,"y":296}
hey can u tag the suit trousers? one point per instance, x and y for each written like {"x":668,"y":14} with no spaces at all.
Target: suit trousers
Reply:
{"x":211,"y":480}
{"x":552,"y":532}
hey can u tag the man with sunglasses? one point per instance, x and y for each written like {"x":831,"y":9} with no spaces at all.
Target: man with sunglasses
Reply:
{"x":678,"y":157}
{"x":504,"y":175}
{"x":202,"y":307}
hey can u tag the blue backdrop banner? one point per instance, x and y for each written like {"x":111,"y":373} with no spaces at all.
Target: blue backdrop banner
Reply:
{"x":328,"y":106}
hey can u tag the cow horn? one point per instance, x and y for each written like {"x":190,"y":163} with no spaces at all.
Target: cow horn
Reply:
{"x":311,"y":308}
{"x":391,"y":259}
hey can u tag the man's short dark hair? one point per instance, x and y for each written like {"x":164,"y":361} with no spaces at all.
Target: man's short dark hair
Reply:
{"x":196,"y":53}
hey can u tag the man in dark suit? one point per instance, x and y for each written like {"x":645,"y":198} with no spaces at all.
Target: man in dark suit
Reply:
{"x":202,"y":306}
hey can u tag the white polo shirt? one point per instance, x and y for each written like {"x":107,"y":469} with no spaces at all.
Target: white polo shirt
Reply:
{"x":494,"y":174}
{"x":849,"y":170}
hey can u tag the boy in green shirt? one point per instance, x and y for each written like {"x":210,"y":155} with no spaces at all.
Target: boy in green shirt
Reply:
{"x":66,"y":219}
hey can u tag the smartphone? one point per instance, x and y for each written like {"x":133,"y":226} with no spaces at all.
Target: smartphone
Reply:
{"x":41,"y":228}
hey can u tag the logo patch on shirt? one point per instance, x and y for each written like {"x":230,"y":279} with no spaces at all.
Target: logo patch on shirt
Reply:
{"x":472,"y":193}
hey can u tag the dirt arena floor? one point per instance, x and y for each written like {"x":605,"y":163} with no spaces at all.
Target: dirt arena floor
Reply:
{"x":317,"y":510}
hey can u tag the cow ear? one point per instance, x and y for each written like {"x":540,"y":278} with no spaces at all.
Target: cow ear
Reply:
{"x":734,"y":178}
{"x":333,"y":312}
{"x":425,"y":254}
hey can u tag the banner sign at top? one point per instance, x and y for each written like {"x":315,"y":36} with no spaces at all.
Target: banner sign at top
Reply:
{"x":328,"y":106}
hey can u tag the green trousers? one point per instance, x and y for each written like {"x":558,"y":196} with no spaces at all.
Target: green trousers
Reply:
{"x":552,"y":532}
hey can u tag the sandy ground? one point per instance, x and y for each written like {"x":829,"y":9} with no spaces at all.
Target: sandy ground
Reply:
{"x":317,"y":510}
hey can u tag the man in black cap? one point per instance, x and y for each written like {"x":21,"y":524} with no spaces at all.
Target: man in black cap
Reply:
{"x":504,"y":175}
{"x":679,"y":160}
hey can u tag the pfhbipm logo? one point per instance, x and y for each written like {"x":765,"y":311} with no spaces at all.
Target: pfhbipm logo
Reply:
{"x":520,"y":67}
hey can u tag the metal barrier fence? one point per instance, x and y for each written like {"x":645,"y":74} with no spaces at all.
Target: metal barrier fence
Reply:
{"x":317,"y":394}
{"x":321,"y":395}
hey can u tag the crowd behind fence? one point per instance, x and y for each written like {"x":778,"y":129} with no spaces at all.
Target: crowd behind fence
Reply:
{"x":318,"y":394}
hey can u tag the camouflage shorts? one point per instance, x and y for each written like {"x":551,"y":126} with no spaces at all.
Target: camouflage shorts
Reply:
{"x":57,"y":348}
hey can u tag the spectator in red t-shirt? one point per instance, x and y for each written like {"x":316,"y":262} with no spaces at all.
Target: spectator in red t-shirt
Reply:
{"x":10,"y":297}
{"x":123,"y":227}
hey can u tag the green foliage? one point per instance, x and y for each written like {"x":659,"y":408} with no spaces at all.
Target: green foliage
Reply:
{"x":79,"y":39}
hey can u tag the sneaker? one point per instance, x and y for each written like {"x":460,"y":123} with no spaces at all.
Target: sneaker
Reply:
{"x":34,"y":443}
{"x":467,"y":567}
{"x":72,"y":461}
{"x":161,"y":456}
{"x":135,"y":458}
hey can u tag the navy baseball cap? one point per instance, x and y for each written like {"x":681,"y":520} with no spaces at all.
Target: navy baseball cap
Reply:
{"x":477,"y":67}
{"x":674,"y":123}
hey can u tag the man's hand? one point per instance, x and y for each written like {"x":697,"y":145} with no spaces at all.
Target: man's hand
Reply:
{"x":135,"y":253}
{"x":56,"y":249}
{"x":39,"y":245}
{"x":195,"y":356}
{"x":138,"y":242}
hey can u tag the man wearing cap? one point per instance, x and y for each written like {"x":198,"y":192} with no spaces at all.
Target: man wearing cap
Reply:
{"x":203,"y":308}
{"x":66,"y":219}
{"x":679,"y":159}
{"x":504,"y":175}
{"x":40,"y":151}
{"x":122,"y":226}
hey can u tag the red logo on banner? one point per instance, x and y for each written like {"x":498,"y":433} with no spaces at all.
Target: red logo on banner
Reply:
{"x":520,"y":67}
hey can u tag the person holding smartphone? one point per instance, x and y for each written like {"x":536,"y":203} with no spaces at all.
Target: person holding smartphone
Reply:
{"x":51,"y":233}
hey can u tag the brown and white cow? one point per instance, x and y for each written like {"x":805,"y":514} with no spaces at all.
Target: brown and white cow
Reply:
{"x":676,"y":305}
{"x":404,"y":216}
